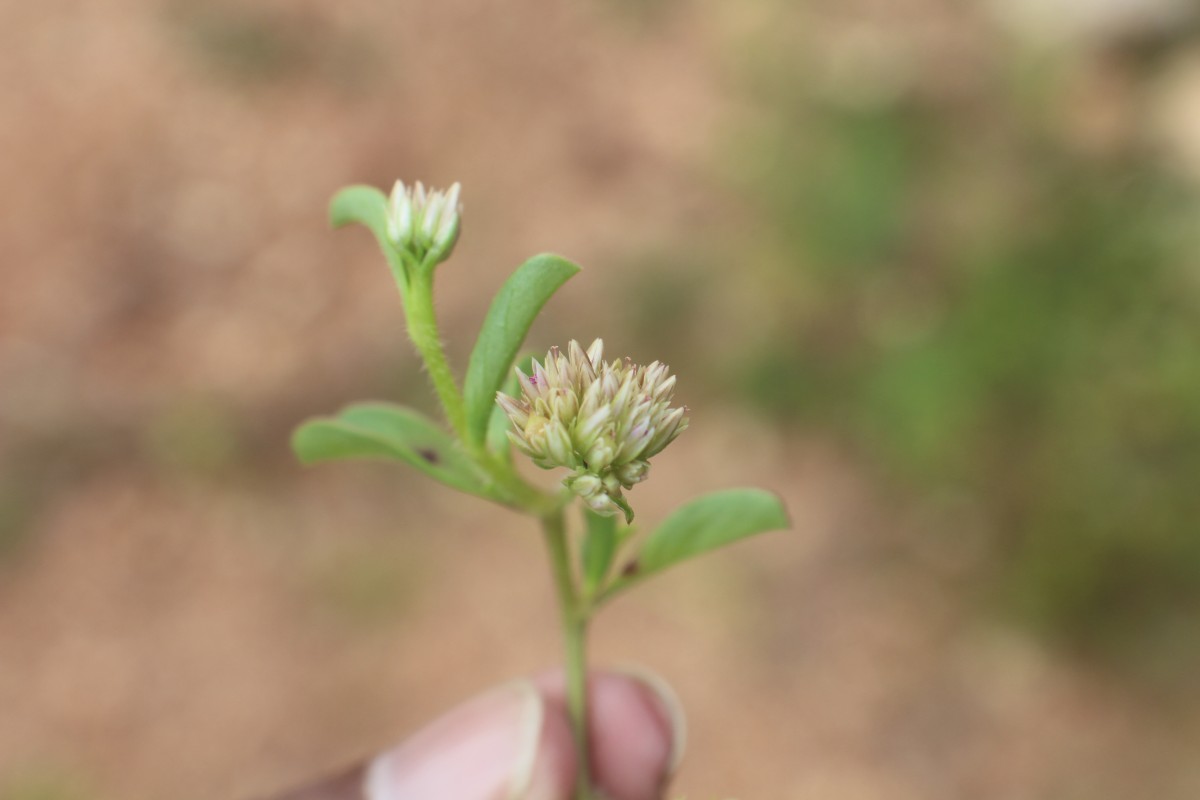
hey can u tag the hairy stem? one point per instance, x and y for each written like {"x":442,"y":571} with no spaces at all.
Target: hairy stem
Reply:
{"x":423,"y":330}
{"x":574,"y":624}
{"x":417,"y":292}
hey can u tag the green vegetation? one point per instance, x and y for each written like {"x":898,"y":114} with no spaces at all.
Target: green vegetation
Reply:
{"x":994,"y":315}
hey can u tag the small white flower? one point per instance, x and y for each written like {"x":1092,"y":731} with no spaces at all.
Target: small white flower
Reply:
{"x":426,"y":224}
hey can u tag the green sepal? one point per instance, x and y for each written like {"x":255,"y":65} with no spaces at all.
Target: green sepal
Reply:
{"x":627,"y":509}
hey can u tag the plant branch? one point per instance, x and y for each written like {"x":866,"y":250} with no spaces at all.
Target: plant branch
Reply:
{"x":423,"y":330}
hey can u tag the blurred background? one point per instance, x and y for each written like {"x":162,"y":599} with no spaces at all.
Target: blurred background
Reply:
{"x":928,"y":269}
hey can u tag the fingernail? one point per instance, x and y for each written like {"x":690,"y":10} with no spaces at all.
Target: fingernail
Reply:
{"x":669,"y":706}
{"x":484,"y":749}
{"x":529,"y":735}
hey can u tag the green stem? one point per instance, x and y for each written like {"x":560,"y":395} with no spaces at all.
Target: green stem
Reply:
{"x":417,"y":293}
{"x":574,"y":623}
{"x":524,"y":496}
{"x":423,"y":330}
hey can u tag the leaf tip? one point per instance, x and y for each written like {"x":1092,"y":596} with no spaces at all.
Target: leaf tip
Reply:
{"x":299,"y":444}
{"x":347,"y":204}
{"x":783,"y":518}
{"x":570,"y":265}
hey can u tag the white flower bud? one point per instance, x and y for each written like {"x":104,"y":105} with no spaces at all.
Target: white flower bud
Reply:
{"x":592,"y":400}
{"x":558,"y":444}
{"x":521,"y":443}
{"x":601,"y":454}
{"x":633,"y":472}
{"x":424,"y":224}
{"x":652,"y":374}
{"x":633,"y":444}
{"x":513,"y":409}
{"x":664,"y":389}
{"x":672,"y":425}
{"x":587,"y":429}
{"x":535,"y":434}
{"x":446,"y":236}
{"x":595,"y":353}
{"x":623,"y":395}
{"x":602,"y":504}
{"x":400,"y":216}
{"x":431,"y":216}
{"x":564,"y":404}
{"x":540,"y":379}
{"x":609,"y":383}
{"x":585,"y":485}
{"x":526,"y":383}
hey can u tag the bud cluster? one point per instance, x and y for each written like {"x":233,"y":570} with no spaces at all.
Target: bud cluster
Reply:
{"x":426,"y":224}
{"x":603,"y":421}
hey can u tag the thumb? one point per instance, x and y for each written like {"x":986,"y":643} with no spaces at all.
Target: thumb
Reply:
{"x":505,"y":743}
{"x":514,"y":743}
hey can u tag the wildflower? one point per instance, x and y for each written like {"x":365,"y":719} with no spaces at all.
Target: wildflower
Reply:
{"x":426,"y":224}
{"x":603,"y":421}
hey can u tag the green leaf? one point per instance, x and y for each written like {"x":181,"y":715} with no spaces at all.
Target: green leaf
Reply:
{"x":599,"y":546}
{"x":513,"y":310}
{"x":363,"y":204}
{"x":368,"y":206}
{"x":379,"y":430}
{"x":707,"y":523}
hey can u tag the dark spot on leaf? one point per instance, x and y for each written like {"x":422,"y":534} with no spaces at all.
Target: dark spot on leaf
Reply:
{"x":630,"y":569}
{"x":429,"y":455}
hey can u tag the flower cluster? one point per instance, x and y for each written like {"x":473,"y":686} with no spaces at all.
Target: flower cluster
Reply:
{"x":426,"y":224}
{"x":603,"y":421}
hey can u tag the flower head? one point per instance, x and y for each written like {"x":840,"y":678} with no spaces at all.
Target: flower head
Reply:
{"x":603,"y":421}
{"x":426,"y":224}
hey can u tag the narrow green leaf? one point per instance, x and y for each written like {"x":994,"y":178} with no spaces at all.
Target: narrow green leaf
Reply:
{"x":707,"y":523}
{"x":379,"y":430}
{"x":368,"y":206}
{"x":513,"y":311}
{"x":599,"y":546}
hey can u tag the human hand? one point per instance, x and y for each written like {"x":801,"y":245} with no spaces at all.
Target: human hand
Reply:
{"x":514,"y":743}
